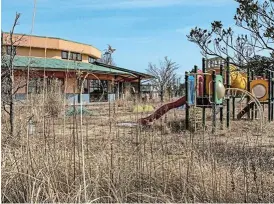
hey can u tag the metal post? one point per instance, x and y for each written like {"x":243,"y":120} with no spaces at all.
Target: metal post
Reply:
{"x":233,"y":107}
{"x":214,"y":101}
{"x":221,"y":108}
{"x":248,"y":89}
{"x":187,"y":108}
{"x":195,"y":95}
{"x":269,"y":95}
{"x":272,"y":93}
{"x":115,"y":88}
{"x":204,"y":92}
{"x":253,"y":107}
{"x":195,"y":69}
{"x":195,"y":82}
{"x":228,"y":99}
{"x":139,"y":88}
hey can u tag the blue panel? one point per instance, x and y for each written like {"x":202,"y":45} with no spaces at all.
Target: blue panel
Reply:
{"x":71,"y":97}
{"x":85,"y":98}
{"x":20,"y":96}
{"x":111,"y":97}
{"x":191,"y":90}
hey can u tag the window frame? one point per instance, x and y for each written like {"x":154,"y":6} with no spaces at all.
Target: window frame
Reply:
{"x":75,"y":56}
{"x":96,"y":89}
{"x":34,"y":86}
{"x":61,"y":81}
{"x":91,"y":59}
{"x":79,"y":56}
{"x":67,"y":54}
{"x":70,"y":55}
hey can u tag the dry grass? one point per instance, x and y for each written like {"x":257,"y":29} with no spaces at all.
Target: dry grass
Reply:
{"x":163,"y":163}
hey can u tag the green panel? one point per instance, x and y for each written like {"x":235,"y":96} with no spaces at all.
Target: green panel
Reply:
{"x":219,"y":78}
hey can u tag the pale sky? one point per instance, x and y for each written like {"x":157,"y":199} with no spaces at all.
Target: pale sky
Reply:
{"x":142,"y":31}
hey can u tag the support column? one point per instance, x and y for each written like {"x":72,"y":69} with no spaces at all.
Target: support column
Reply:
{"x":139,"y":88}
{"x":115,"y":87}
{"x":272,"y":99}
{"x":228,"y":98}
{"x":248,"y":89}
{"x":204,"y":92}
{"x":253,"y":111}
{"x":221,"y":108}
{"x":187,"y":107}
{"x":214,"y":101}
{"x":118,"y":90}
{"x":269,"y":95}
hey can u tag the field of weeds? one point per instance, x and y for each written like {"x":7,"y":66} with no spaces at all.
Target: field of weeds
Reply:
{"x":95,"y":159}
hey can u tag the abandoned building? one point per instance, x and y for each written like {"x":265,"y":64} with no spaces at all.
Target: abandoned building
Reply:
{"x":48,"y":58}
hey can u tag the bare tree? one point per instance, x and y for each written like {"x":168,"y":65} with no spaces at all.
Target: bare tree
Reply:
{"x":164,"y":75}
{"x":254,"y":17}
{"x":106,"y":59}
{"x":8,"y":87}
{"x":107,"y":56}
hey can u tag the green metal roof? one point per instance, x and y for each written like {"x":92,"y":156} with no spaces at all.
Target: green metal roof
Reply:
{"x":62,"y":65}
{"x":142,"y":75}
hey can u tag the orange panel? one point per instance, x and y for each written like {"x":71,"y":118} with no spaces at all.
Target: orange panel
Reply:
{"x":52,"y":44}
{"x":259,"y":88}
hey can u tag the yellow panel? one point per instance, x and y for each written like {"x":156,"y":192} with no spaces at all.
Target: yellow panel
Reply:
{"x":237,"y":79}
{"x":263,"y":83}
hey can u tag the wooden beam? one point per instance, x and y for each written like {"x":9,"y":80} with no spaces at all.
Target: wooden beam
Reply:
{"x":126,"y":79}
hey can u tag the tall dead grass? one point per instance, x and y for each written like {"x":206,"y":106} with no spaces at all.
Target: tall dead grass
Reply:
{"x":163,"y":163}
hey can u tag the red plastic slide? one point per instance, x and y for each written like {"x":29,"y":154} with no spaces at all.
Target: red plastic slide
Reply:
{"x":163,"y":110}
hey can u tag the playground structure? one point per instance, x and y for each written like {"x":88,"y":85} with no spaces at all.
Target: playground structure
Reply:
{"x":220,"y":84}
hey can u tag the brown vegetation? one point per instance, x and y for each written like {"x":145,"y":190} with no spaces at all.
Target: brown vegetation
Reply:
{"x":66,"y":159}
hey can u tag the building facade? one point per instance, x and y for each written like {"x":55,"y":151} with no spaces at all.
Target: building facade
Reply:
{"x":39,"y":60}
{"x":149,"y":91}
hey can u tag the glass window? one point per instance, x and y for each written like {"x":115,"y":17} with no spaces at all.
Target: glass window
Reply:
{"x":79,"y":57}
{"x":64,"y":55}
{"x":90,"y":59}
{"x":74,"y":56}
{"x":71,"y":55}
{"x":35,"y":86}
{"x":55,"y":84}
{"x":98,"y":90}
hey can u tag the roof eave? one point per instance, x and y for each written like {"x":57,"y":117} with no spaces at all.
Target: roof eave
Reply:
{"x":71,"y":70}
{"x":143,"y":75}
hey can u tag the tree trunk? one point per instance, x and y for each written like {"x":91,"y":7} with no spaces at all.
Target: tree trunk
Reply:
{"x":11,"y":94}
{"x":11,"y":115}
{"x":162,"y":95}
